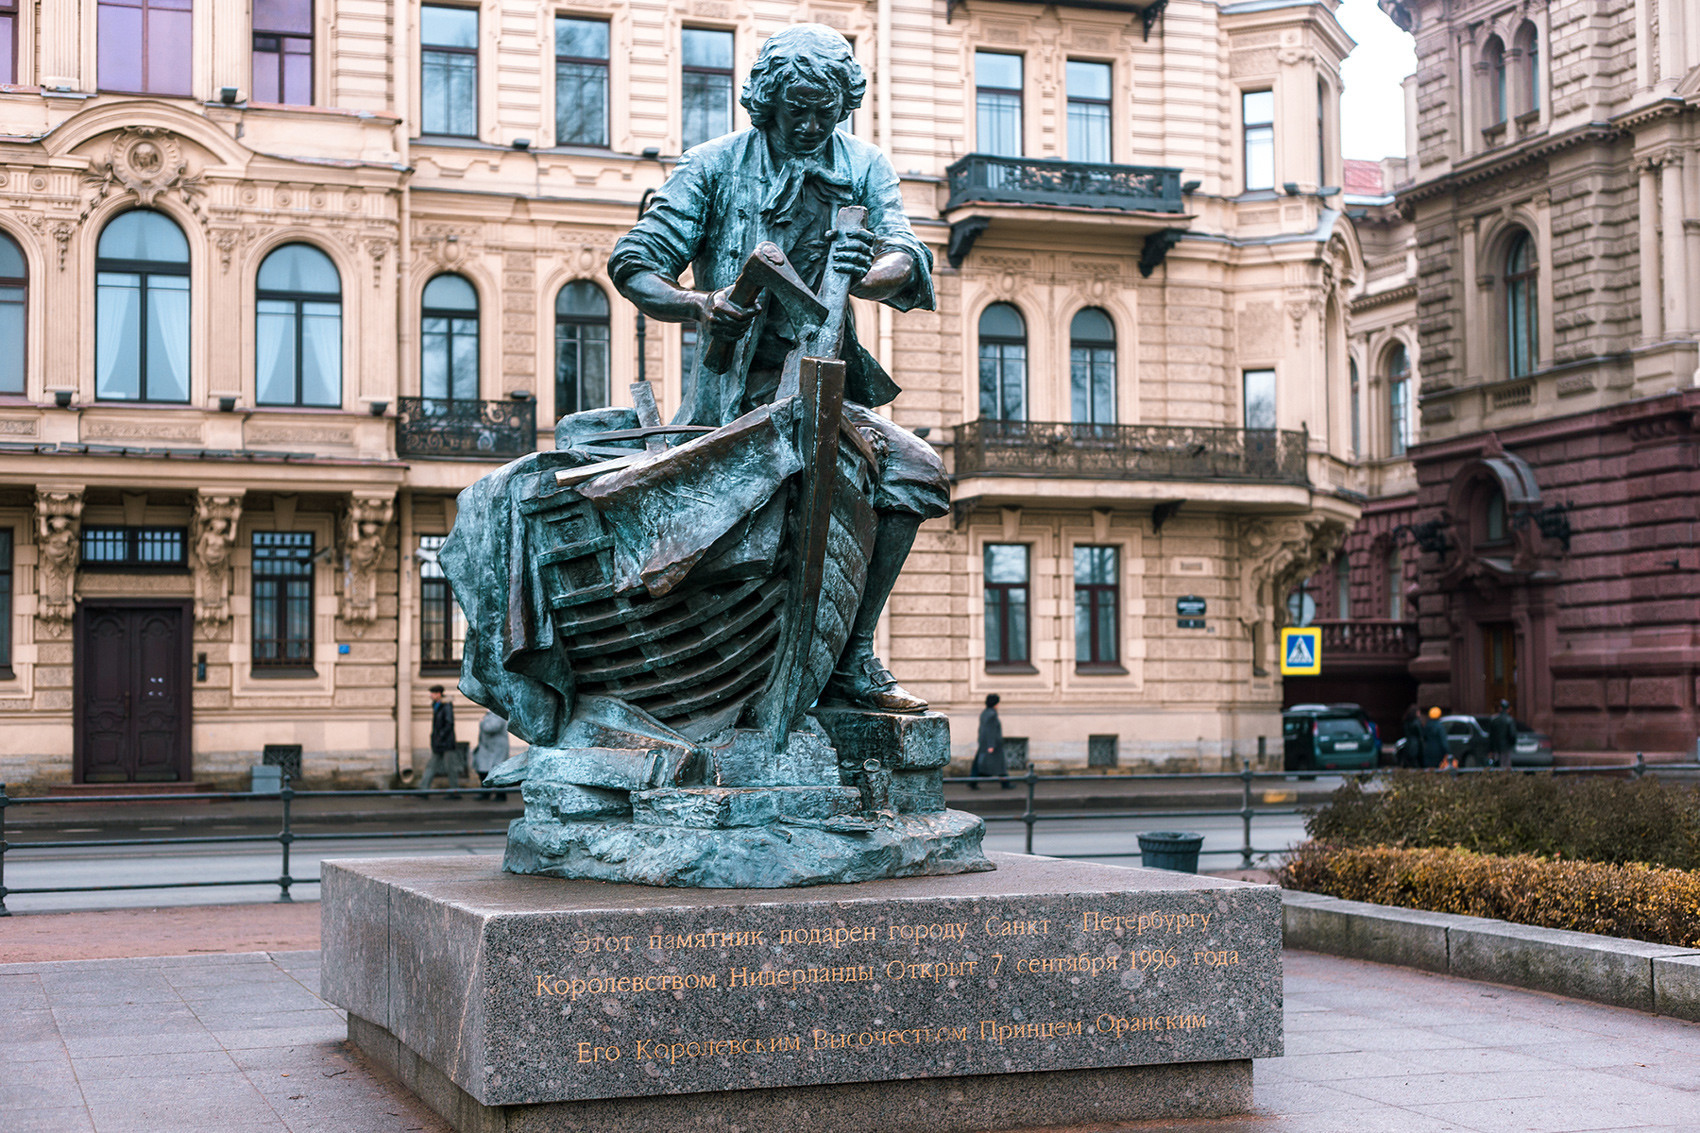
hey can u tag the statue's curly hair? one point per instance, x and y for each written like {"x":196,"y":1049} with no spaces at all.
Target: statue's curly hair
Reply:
{"x":812,"y":53}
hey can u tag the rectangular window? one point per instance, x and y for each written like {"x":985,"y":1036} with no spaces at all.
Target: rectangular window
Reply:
{"x":8,"y":41}
{"x":581,"y":82}
{"x":1006,"y":605}
{"x":1321,"y":135}
{"x":997,"y":103}
{"x":1343,"y":587}
{"x":5,"y":602}
{"x":134,"y":548}
{"x":448,"y":65}
{"x":1260,"y":399}
{"x":142,"y":46}
{"x":1097,"y":602}
{"x":1088,"y":111}
{"x":687,"y":352}
{"x":283,"y":600}
{"x":283,"y":52}
{"x":442,"y":626}
{"x":1257,"y":110}
{"x":706,"y":85}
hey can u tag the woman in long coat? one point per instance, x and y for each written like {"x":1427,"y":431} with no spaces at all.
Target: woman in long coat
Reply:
{"x":492,"y":749}
{"x":988,"y":746}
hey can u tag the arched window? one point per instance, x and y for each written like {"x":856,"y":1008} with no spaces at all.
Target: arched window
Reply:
{"x":298,"y":329}
{"x":14,"y":278}
{"x":1398,"y":400}
{"x":1092,"y":367}
{"x":141,"y":341}
{"x":581,"y":348}
{"x":1003,"y":364}
{"x":1529,"y":86}
{"x":1493,"y":55}
{"x":1520,"y":273}
{"x":448,"y":339}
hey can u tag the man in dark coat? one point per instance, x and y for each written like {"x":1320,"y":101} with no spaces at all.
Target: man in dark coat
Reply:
{"x":1435,"y":751}
{"x":1502,"y":735}
{"x":1411,"y":754}
{"x":443,"y":751}
{"x":988,"y":746}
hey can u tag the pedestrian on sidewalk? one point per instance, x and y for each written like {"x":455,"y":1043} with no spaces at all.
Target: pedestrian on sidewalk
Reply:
{"x":1411,"y":755}
{"x":443,"y":751}
{"x":492,"y":749}
{"x":1435,"y":752}
{"x":1502,"y":735}
{"x":988,"y":747}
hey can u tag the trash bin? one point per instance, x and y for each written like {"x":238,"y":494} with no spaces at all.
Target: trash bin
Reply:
{"x":267,"y":779}
{"x":1170,"y":849}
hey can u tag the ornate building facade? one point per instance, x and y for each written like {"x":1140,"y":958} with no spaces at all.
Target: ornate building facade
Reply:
{"x":1554,"y":191}
{"x":271,"y":296}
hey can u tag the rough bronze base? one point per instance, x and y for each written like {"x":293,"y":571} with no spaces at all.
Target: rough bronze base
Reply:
{"x":775,"y":856}
{"x":921,"y":1105}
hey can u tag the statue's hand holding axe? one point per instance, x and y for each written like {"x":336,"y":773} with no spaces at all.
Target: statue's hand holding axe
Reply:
{"x":728,"y":313}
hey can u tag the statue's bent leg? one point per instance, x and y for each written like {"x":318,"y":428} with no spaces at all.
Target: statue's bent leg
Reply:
{"x":912,"y":488}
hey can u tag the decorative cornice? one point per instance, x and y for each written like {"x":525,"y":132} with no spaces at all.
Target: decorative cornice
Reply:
{"x":1495,"y":164}
{"x":1382,"y":298}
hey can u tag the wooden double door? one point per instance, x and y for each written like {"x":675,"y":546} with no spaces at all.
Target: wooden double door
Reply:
{"x":132,"y":702}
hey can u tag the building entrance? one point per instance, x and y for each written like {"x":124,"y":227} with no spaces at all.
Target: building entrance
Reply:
{"x":1499,"y":665}
{"x":132,"y":693}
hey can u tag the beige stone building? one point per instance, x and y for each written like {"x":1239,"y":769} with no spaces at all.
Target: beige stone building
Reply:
{"x":277,"y":280}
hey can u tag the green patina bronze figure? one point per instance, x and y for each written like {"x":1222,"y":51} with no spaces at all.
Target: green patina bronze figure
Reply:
{"x":679,"y":618}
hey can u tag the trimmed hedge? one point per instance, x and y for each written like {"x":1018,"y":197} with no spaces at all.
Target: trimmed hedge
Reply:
{"x":1595,"y":819}
{"x":1661,"y":906}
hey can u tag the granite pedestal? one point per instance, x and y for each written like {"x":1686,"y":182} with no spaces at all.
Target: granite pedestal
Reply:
{"x":1046,"y":992}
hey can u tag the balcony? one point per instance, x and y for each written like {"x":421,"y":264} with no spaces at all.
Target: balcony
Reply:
{"x":436,"y":428}
{"x":982,"y":179}
{"x":1367,"y":639}
{"x":1130,"y":452}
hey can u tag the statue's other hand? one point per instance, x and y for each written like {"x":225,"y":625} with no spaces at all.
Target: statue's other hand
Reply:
{"x":853,"y":252}
{"x":725,"y":318}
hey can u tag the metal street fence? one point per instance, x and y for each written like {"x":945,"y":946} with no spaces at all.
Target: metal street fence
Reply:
{"x":1030,"y":817}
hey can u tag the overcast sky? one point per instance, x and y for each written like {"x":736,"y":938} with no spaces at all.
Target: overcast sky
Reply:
{"x":1372,"y":113}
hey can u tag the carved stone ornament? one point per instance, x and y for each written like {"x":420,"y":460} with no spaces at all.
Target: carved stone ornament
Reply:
{"x":58,"y":536}
{"x":211,"y":538}
{"x":364,"y":525}
{"x":145,"y":162}
{"x":1274,"y":554}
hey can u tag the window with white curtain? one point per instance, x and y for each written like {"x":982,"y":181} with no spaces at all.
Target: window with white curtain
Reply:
{"x":298,"y":329}
{"x":14,"y":279}
{"x":141,"y":340}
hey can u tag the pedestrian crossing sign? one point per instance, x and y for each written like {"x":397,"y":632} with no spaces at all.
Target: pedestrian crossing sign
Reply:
{"x":1301,"y":651}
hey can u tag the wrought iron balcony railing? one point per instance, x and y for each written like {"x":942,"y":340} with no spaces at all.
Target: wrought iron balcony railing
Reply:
{"x":465,"y":428}
{"x":981,"y":178}
{"x":1367,"y":637}
{"x":1130,"y":452}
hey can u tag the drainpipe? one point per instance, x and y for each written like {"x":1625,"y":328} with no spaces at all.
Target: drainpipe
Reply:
{"x":404,"y":634}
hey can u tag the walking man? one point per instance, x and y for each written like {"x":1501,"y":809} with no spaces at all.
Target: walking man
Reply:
{"x":1502,"y":735}
{"x":988,"y":746}
{"x":1435,"y":751}
{"x":443,"y":753}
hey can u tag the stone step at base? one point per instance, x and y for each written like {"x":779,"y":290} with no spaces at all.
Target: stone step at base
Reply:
{"x":720,"y":808}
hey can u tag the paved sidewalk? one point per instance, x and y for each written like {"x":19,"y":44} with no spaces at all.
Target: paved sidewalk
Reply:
{"x":241,"y":1043}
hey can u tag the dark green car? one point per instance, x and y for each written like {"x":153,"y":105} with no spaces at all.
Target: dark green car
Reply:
{"x":1328,"y":737}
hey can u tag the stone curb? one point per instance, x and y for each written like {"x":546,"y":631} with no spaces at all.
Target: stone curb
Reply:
{"x":1605,"y":969}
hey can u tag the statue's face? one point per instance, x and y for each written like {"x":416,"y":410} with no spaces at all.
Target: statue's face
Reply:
{"x":805,"y":117}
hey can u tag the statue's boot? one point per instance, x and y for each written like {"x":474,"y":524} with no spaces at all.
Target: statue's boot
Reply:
{"x":861,"y":679}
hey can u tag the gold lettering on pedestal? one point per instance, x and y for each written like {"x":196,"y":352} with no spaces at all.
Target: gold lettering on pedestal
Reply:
{"x":997,"y":927}
{"x":1093,"y":921}
{"x":1119,"y":1025}
{"x":992,"y":1031}
{"x":571,"y":987}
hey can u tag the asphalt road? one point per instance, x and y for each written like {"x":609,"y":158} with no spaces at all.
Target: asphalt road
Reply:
{"x":28,"y":869}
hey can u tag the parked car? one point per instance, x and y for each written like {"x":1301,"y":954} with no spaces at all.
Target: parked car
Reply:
{"x":1328,"y":737}
{"x":1467,"y":739}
